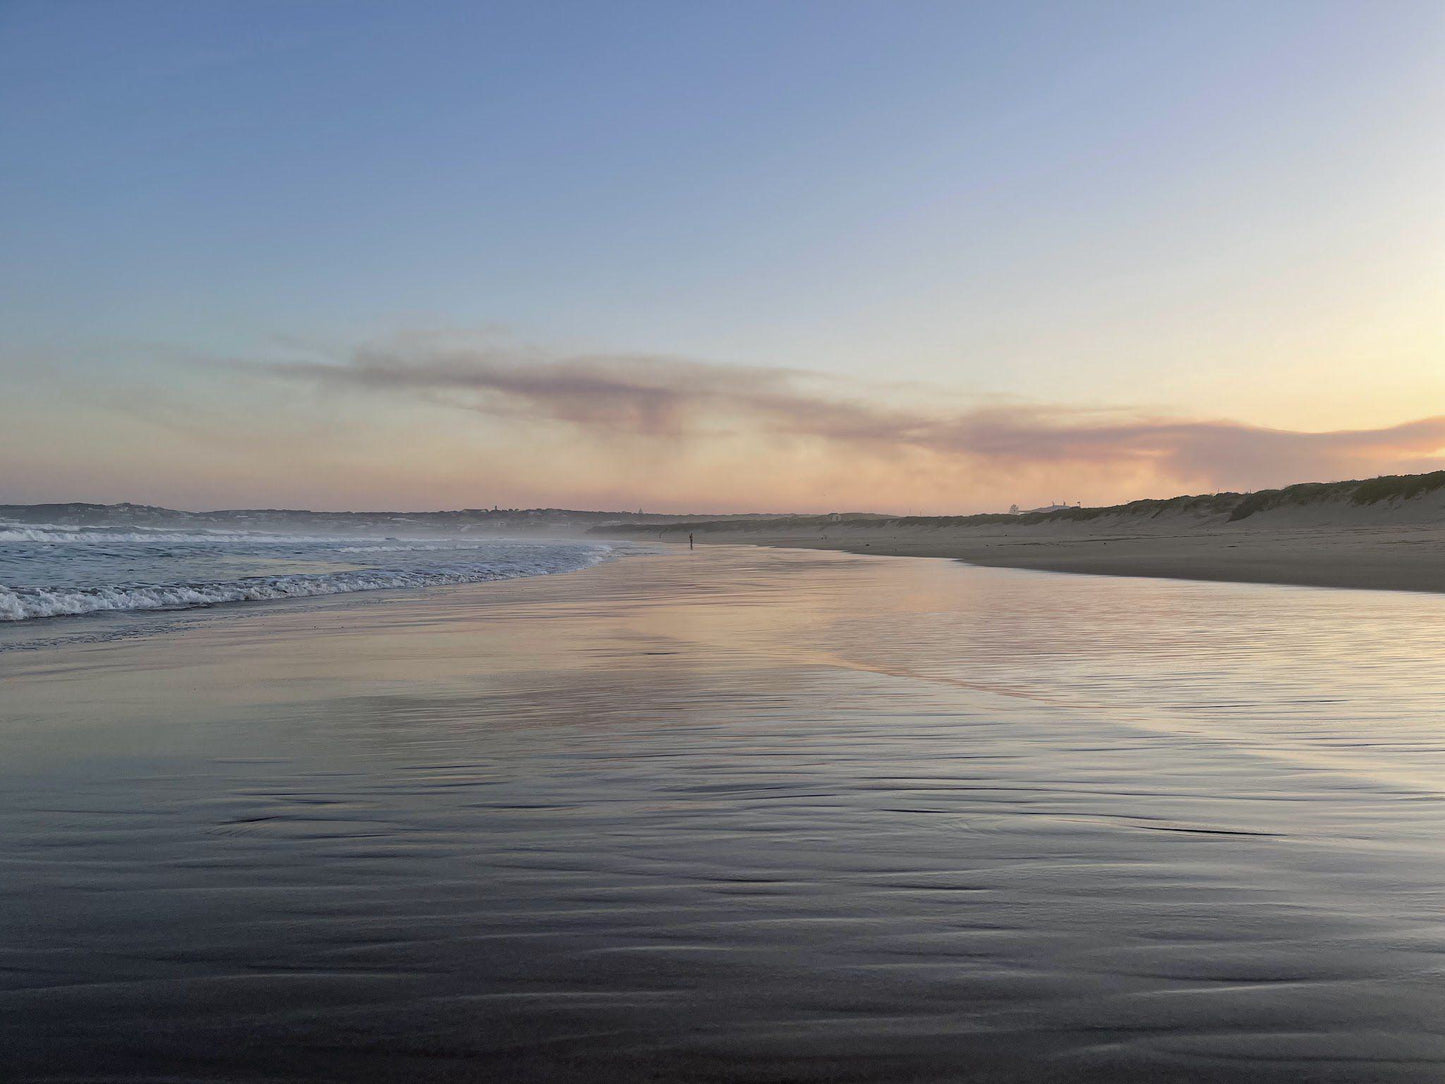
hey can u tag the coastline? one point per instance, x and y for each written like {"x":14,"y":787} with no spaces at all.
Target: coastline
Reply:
{"x":1390,"y":557}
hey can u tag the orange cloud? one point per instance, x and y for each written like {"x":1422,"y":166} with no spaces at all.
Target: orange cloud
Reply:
{"x":829,"y":422}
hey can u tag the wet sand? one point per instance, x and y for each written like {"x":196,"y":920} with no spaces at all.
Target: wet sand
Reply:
{"x":738,"y":814}
{"x":1386,"y":557}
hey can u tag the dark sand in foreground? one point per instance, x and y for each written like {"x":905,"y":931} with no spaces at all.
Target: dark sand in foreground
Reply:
{"x":737,"y":814}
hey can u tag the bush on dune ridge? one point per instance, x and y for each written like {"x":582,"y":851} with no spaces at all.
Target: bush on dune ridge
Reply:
{"x":1370,"y":491}
{"x":1403,"y":486}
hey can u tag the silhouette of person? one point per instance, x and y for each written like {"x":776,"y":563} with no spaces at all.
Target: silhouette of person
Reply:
{"x":689,"y":540}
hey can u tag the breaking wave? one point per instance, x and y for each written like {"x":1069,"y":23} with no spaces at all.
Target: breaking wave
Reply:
{"x":50,"y":534}
{"x":28,"y":603}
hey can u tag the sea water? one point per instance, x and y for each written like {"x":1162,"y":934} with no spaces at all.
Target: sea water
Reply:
{"x":49,"y":571}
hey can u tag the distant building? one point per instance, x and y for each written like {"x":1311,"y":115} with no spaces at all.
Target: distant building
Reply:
{"x":1050,"y":507}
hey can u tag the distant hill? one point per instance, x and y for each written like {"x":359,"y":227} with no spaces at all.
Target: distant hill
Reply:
{"x":499,"y":520}
{"x":1386,"y":498}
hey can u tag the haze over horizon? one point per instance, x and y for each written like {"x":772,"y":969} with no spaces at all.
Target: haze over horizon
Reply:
{"x":765,"y":257}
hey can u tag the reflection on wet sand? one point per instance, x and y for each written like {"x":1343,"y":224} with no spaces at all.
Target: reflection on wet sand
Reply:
{"x":732,"y":815}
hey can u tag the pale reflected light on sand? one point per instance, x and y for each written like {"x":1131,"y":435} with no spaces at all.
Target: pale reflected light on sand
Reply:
{"x":736,"y":815}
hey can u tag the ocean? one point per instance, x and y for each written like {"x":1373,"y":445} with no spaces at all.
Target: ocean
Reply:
{"x":50,"y":571}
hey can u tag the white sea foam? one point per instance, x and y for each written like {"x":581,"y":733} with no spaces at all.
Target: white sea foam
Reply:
{"x":58,"y":535}
{"x":27,"y":603}
{"x":448,"y":545}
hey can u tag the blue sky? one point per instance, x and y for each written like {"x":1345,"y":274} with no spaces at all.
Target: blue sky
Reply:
{"x":1211,"y":211}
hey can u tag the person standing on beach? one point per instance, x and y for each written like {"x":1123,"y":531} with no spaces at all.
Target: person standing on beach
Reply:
{"x":689,"y":540}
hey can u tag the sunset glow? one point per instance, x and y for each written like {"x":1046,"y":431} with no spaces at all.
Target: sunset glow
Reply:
{"x":753,"y":257}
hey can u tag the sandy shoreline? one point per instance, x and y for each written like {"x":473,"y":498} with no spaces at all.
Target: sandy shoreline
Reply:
{"x":1340,"y":535}
{"x":1395,"y":557}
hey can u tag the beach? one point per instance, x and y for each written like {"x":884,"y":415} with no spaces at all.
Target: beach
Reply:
{"x":1368,"y":551}
{"x":684,"y":543}
{"x":733,"y":814}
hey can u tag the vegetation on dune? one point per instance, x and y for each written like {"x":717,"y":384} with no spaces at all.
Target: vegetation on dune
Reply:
{"x":1403,"y":486}
{"x":1368,"y":491}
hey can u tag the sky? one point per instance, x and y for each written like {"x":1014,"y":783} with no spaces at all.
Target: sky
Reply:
{"x":896,"y":256}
